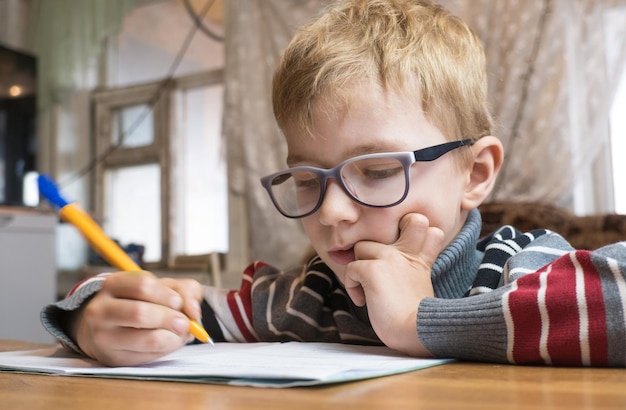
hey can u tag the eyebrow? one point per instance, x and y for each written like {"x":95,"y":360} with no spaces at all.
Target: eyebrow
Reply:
{"x":354,"y":152}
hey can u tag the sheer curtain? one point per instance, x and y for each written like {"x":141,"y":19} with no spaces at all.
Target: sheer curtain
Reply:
{"x":257,"y":31}
{"x":552,"y":81}
{"x":551,"y":78}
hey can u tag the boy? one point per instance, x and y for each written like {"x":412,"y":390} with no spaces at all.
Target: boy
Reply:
{"x":383,"y":105}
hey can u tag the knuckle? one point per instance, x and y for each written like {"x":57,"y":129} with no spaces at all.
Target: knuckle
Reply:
{"x":418,"y":219}
{"x":144,"y":287}
{"x":193,"y":286}
{"x":140,"y":313}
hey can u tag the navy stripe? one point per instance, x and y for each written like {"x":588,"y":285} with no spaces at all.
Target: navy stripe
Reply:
{"x":210,"y":323}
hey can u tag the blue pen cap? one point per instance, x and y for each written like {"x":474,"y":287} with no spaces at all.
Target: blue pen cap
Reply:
{"x":48,"y":189}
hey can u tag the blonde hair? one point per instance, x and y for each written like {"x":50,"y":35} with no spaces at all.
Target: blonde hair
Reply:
{"x":413,"y":47}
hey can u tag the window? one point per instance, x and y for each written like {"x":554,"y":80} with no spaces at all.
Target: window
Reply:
{"x":161,"y":180}
{"x":163,"y":183}
{"x":201,"y":191}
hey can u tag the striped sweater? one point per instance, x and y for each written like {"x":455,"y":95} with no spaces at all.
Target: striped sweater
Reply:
{"x":512,"y":297}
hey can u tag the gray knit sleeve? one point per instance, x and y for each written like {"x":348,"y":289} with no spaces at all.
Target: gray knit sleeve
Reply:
{"x":471,"y":328}
{"x":53,"y":315}
{"x":474,"y":327}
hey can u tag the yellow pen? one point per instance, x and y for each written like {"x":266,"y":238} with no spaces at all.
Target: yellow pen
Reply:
{"x":99,"y":240}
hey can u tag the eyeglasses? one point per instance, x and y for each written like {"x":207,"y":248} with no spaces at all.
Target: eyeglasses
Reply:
{"x":375,"y":180}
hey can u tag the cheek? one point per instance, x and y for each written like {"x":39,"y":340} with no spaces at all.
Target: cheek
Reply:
{"x":383,"y":225}
{"x":315,"y":232}
{"x":311,"y":228}
{"x":439,"y":199}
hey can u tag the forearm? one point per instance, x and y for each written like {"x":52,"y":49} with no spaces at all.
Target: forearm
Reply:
{"x":470,"y":328}
{"x":570,"y":312}
{"x":224,"y":315}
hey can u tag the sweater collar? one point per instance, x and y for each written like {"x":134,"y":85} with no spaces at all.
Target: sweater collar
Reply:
{"x":456,"y":267}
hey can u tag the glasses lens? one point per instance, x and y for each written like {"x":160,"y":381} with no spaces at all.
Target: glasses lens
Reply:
{"x":377,"y":181}
{"x":296,"y":193}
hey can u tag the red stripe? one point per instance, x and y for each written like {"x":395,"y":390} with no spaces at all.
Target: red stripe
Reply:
{"x":564,"y":316}
{"x":82,"y":282}
{"x":75,"y":288}
{"x":245,"y":295}
{"x":563,"y":343}
{"x":564,"y":340}
{"x":527,"y":321}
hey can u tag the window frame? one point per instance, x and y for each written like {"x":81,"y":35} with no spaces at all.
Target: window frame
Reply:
{"x":164,"y":98}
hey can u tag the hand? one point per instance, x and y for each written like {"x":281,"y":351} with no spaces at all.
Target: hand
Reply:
{"x":135,"y":318}
{"x":393,"y":279}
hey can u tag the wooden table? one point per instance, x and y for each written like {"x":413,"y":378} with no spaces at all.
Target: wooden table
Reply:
{"x":455,"y":385}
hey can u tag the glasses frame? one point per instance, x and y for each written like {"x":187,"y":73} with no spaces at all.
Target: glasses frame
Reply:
{"x":406,"y":158}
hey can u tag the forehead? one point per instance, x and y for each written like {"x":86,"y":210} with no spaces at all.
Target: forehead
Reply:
{"x":366,"y":120}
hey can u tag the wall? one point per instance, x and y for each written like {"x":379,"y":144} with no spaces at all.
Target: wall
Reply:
{"x":14,"y":23}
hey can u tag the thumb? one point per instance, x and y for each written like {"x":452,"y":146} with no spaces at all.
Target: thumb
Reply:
{"x":418,"y":240}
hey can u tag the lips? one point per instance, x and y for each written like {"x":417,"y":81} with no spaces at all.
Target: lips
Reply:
{"x":342,"y":256}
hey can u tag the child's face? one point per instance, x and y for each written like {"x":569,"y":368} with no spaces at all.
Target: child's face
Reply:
{"x":375,"y":122}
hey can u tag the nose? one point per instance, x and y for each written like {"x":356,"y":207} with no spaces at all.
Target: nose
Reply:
{"x":337,"y":206}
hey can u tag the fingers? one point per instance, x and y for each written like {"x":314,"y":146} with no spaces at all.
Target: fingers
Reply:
{"x":135,"y":318}
{"x":177,"y":294}
{"x":417,"y":242}
{"x":127,"y":313}
{"x":387,"y":276}
{"x":113,"y":347}
{"x":394,"y":278}
{"x":191,"y":291}
{"x":144,"y":301}
{"x":353,"y":286}
{"x":142,"y":287}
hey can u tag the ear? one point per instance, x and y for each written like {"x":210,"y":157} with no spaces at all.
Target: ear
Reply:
{"x":488,"y":154}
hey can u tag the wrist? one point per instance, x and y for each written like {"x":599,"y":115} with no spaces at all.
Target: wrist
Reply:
{"x":405,"y":338}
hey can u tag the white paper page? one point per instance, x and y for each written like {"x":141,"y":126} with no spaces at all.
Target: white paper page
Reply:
{"x":252,"y":364}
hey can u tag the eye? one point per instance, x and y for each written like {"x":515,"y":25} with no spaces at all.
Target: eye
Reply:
{"x":377,"y":168}
{"x":380,"y":173}
{"x":308,"y":183}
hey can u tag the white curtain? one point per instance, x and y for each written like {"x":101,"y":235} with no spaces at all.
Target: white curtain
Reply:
{"x":257,"y":31}
{"x":551,"y":78}
{"x":552,"y":82}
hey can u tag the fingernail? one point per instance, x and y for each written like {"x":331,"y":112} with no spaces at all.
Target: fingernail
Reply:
{"x":180,"y":324}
